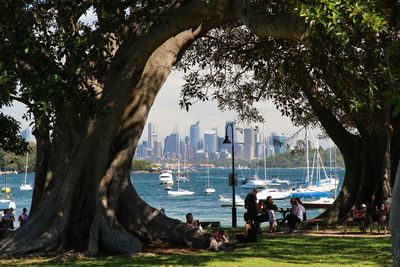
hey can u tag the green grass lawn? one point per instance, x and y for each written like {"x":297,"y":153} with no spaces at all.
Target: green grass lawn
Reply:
{"x":270,"y":251}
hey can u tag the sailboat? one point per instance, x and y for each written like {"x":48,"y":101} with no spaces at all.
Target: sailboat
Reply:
{"x":275,"y":193}
{"x":179,"y":191}
{"x":209,"y":189}
{"x":306,"y":189}
{"x":25,"y":186}
{"x":326,"y":202}
{"x":181,"y":176}
{"x":6,"y":199}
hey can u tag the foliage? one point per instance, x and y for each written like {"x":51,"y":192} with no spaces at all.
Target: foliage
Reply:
{"x":270,"y":251}
{"x":56,"y":63}
{"x":10,"y":138}
{"x":141,"y":165}
{"x":16,"y":162}
{"x":343,"y":58}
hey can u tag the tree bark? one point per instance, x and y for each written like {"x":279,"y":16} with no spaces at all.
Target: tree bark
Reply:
{"x":366,"y":157}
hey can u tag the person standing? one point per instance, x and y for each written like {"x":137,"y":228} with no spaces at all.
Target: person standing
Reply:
{"x":250,"y":204}
{"x":23,"y":217}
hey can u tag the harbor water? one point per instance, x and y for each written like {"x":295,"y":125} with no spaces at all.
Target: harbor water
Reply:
{"x":205,"y":207}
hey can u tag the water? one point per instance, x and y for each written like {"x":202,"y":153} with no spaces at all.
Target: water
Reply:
{"x":205,"y":207}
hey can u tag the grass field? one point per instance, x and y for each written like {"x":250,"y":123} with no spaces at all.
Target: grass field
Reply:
{"x":269,"y":251}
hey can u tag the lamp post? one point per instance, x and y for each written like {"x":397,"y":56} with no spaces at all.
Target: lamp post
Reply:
{"x":232,"y":176}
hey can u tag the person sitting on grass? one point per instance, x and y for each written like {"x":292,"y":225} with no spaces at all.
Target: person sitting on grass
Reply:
{"x":250,"y":231}
{"x":191,"y":221}
{"x":219,"y":240}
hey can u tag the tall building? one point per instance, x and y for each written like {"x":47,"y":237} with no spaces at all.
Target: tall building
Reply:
{"x":210,"y":141}
{"x":26,"y":134}
{"x":249,"y":143}
{"x":151,"y":133}
{"x":195,"y":135}
{"x":171,"y":145}
{"x":157,"y":150}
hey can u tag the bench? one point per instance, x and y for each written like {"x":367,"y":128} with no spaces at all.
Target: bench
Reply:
{"x":210,"y":224}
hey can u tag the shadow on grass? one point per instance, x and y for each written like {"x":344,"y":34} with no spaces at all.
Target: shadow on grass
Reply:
{"x":270,"y":250}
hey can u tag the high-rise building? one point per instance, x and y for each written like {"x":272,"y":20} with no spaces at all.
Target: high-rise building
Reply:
{"x":195,"y":135}
{"x":210,"y":141}
{"x":249,"y":143}
{"x":171,"y":145}
{"x":151,"y":134}
{"x":26,"y":134}
{"x":157,"y":150}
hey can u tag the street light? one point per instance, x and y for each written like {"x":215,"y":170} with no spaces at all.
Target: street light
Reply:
{"x":232,"y":176}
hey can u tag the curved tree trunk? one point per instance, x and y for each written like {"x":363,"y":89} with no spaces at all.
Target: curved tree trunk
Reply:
{"x":366,"y":157}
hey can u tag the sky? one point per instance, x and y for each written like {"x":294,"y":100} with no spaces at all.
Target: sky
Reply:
{"x":167,"y":114}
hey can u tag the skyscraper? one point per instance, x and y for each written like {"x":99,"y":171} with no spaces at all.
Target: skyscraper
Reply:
{"x":171,"y":145}
{"x":151,"y":134}
{"x":210,"y":141}
{"x":195,"y":135}
{"x":249,"y":143}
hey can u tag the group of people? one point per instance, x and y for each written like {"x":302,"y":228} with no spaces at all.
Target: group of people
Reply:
{"x":259,"y":211}
{"x":7,"y":218}
{"x":366,"y":215}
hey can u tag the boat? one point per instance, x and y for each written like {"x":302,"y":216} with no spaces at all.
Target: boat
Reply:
{"x":168,"y":186}
{"x":321,"y":203}
{"x":306,"y":188}
{"x":180,"y":192}
{"x":25,"y":186}
{"x":166,"y":177}
{"x":209,"y":189}
{"x":275,"y":193}
{"x":227,"y":201}
{"x":254,"y":182}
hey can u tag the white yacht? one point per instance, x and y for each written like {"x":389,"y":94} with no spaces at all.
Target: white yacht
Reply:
{"x":254,"y":182}
{"x":227,"y":201}
{"x":166,"y":177}
{"x":275,"y":193}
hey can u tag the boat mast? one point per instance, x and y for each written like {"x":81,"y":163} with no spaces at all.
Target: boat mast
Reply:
{"x":26,"y":167}
{"x":307,"y":160}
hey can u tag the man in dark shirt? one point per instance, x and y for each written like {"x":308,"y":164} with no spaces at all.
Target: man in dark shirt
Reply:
{"x":250,"y":204}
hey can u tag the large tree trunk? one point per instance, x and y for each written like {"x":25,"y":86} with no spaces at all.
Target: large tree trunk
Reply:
{"x":85,"y":199}
{"x":366,"y":156}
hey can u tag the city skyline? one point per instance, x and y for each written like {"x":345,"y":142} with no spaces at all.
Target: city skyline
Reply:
{"x":167,"y":115}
